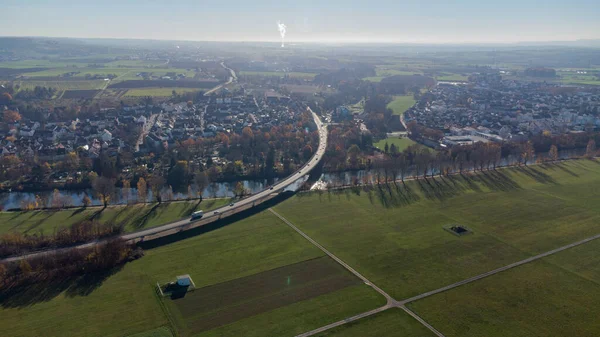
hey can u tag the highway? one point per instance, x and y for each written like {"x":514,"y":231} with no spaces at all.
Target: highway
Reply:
{"x":214,"y":215}
{"x":243,"y":203}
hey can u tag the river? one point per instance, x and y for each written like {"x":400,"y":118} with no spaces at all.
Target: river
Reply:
{"x":216,"y":190}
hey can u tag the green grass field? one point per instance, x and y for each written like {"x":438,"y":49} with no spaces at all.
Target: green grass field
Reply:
{"x":125,"y":303}
{"x":401,"y":143}
{"x":555,"y":296}
{"x":401,"y":103}
{"x":308,"y":76}
{"x":157,"y":92}
{"x":390,"y":323}
{"x":453,"y":77}
{"x":135,"y":216}
{"x":395,"y":237}
{"x":387,"y":71}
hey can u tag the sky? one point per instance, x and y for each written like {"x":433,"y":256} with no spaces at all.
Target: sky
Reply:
{"x":408,"y":21}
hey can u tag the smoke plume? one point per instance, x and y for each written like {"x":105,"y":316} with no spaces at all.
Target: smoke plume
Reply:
{"x":282,"y":30}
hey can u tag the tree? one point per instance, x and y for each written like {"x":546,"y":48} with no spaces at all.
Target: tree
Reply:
{"x":393,"y":149}
{"x":142,"y":190}
{"x":3,"y":273}
{"x":5,"y":98}
{"x":402,"y":163}
{"x":104,"y":188}
{"x":239,"y":189}
{"x":25,"y":267}
{"x":201,"y":182}
{"x":11,"y":116}
{"x":590,"y":150}
{"x":307,"y":152}
{"x":553,"y":153}
{"x":125,"y":190}
{"x":71,"y":161}
{"x":386,"y":148}
{"x":353,"y":153}
{"x":86,"y":201}
{"x":527,"y":152}
{"x":57,"y":199}
{"x":157,"y":182}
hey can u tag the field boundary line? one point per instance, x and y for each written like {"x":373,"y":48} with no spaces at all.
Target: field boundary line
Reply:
{"x":498,"y":270}
{"x":345,"y":321}
{"x":391,"y":302}
{"x":389,"y":298}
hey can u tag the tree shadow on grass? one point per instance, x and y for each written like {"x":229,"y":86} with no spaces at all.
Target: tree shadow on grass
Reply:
{"x":537,"y":175}
{"x":77,"y":211}
{"x":562,"y":167}
{"x":142,"y":220}
{"x":45,"y":289}
{"x":40,"y":221}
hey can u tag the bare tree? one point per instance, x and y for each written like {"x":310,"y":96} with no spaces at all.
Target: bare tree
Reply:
{"x":461,"y":159}
{"x":142,"y":190}
{"x":590,"y":150}
{"x":201,"y":182}
{"x":157,"y":182}
{"x":104,"y":188}
{"x":402,"y":166}
{"x":553,"y":153}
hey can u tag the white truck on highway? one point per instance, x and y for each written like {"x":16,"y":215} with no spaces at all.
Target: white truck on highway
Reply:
{"x":197,"y":215}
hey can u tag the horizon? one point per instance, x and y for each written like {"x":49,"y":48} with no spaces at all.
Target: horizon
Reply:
{"x":468,"y":22}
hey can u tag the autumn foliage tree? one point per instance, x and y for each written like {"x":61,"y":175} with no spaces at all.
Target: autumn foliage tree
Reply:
{"x":11,"y":116}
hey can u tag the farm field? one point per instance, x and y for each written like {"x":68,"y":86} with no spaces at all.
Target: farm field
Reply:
{"x":390,"y":323}
{"x":401,"y":143}
{"x":308,"y":76}
{"x":158,"y":92}
{"x":224,"y":303}
{"x":126,"y":303}
{"x":394,"y":235}
{"x":80,"y":94}
{"x":554,"y":296}
{"x":63,"y":84}
{"x":134,"y":217}
{"x":401,"y":103}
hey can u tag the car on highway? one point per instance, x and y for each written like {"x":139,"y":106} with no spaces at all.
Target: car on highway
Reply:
{"x":216,"y":212}
{"x":231,"y":205}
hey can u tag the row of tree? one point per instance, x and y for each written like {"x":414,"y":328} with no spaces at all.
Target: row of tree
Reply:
{"x":13,"y":243}
{"x":65,"y":265}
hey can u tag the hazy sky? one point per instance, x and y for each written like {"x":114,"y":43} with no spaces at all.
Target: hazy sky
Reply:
{"x":430,"y":21}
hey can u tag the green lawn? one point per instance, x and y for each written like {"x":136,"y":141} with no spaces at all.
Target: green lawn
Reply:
{"x":401,"y":103}
{"x":158,"y":92}
{"x":135,"y":216}
{"x":395,"y":237}
{"x":390,"y":323}
{"x":308,"y":76}
{"x":453,"y":77}
{"x":373,"y":78}
{"x":555,"y":296}
{"x":125,"y":303}
{"x":401,"y":143}
{"x":387,"y":71}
